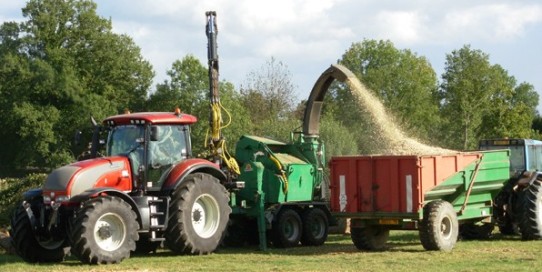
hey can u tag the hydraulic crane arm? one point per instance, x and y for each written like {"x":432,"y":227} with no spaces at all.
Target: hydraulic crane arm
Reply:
{"x":217,"y":143}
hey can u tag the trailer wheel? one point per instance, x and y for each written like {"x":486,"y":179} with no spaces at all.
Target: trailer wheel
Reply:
{"x":531,"y":219}
{"x":198,"y":215}
{"x":473,"y":231}
{"x":104,"y":231}
{"x":33,"y":248}
{"x":370,"y":237}
{"x":439,"y":227}
{"x":287,"y":228}
{"x":315,"y":227}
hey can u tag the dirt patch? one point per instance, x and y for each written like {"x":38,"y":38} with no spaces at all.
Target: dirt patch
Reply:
{"x":385,"y":137}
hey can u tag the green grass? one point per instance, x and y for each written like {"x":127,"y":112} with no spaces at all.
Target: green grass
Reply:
{"x":405,"y":253}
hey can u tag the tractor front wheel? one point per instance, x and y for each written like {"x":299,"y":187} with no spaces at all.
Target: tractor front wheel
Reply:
{"x":104,"y":231}
{"x":439,"y":227}
{"x":31,"y":247}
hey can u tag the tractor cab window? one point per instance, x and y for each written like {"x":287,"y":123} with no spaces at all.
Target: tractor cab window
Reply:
{"x":167,"y":147}
{"x":128,"y":141}
{"x":125,"y":139}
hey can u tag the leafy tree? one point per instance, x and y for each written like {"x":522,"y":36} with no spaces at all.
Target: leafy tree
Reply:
{"x":480,"y":100}
{"x":57,"y":68}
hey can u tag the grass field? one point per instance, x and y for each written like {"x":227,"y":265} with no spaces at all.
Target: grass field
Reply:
{"x":405,"y":253}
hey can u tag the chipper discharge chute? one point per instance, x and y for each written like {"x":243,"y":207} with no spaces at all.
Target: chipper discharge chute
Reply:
{"x":438,"y":195}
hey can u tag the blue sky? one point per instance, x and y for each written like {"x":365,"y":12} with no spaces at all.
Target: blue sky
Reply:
{"x":309,"y":35}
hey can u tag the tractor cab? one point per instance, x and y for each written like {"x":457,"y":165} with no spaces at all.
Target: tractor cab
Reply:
{"x":525,"y":154}
{"x":153,"y":143}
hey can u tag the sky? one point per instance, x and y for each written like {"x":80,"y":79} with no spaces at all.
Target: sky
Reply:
{"x":309,"y":35}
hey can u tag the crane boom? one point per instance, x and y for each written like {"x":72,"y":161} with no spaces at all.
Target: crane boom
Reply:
{"x":217,"y":144}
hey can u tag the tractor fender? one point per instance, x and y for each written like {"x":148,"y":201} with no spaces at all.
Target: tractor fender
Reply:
{"x":95,"y":192}
{"x":187,"y":167}
{"x":311,"y":119}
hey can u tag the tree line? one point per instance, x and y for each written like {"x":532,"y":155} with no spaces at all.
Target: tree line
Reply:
{"x":64,"y":64}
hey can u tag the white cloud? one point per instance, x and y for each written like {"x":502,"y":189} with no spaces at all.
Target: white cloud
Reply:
{"x":400,"y":26}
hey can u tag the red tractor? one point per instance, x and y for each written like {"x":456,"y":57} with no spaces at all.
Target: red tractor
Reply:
{"x":146,"y":190}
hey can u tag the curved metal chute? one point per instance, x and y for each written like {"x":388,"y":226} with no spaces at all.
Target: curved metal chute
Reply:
{"x":311,"y":119}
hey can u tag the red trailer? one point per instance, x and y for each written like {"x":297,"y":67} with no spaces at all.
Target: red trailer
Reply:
{"x":432,"y":194}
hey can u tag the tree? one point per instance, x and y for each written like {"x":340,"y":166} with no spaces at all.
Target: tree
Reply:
{"x":268,"y":95}
{"x":57,"y":68}
{"x":480,"y":100}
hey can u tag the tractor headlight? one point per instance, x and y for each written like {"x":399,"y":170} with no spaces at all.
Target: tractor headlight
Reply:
{"x":63,"y":198}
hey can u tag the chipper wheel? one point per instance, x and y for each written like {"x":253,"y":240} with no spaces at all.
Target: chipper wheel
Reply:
{"x":315,"y":227}
{"x":531,"y":220}
{"x":439,"y":227}
{"x":370,"y":237}
{"x":198,"y":215}
{"x":104,"y":231}
{"x":287,"y":228}
{"x":31,"y":247}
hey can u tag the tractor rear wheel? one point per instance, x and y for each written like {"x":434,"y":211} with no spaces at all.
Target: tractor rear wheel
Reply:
{"x":531,"y":220}
{"x":315,"y":227}
{"x":287,"y":229}
{"x":199,"y":214}
{"x":439,"y":227}
{"x":104,"y":231}
{"x":31,"y":247}
{"x":370,"y":237}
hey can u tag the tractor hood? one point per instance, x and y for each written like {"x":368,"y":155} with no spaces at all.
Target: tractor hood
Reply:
{"x":75,"y":178}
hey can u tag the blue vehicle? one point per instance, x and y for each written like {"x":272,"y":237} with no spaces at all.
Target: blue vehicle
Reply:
{"x":518,"y":207}
{"x":525,"y":154}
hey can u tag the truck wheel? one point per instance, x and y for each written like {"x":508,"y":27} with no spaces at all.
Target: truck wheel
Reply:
{"x":531,"y":220}
{"x":370,"y":237}
{"x":104,"y":231}
{"x":315,"y":227}
{"x":33,"y":248}
{"x":439,"y":227}
{"x":199,"y":214}
{"x":472,"y":231}
{"x":287,"y":228}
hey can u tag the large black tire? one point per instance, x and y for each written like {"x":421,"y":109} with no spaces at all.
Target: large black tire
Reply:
{"x":370,"y":237}
{"x":472,"y":231}
{"x":32,"y":248}
{"x":198,"y":215}
{"x":531,"y":220}
{"x":287,"y":229}
{"x":439,"y":227}
{"x":315,"y":227}
{"x":104,"y":231}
